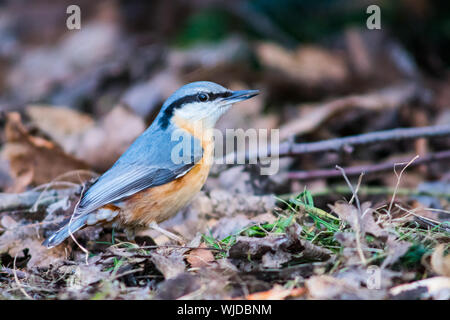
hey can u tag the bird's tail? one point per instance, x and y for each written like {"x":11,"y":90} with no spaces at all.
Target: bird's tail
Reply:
{"x":63,"y":233}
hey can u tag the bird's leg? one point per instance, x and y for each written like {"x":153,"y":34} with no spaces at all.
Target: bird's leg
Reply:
{"x":169,"y":234}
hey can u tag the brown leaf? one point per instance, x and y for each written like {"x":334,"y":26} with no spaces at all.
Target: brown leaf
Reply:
{"x":19,"y":237}
{"x":439,"y":262}
{"x":311,"y":116}
{"x":276,"y":293}
{"x":349,"y":213}
{"x":326,"y":287}
{"x":309,"y":64}
{"x":34,"y":160}
{"x":60,"y":124}
{"x":436,"y":288}
{"x":396,"y":249}
{"x":102,"y":145}
{"x":198,"y":258}
{"x":170,"y":262}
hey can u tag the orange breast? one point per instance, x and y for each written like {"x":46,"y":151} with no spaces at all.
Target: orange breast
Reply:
{"x":157,"y":204}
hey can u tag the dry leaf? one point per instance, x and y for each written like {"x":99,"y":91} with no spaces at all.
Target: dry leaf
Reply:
{"x":309,"y":64}
{"x":198,"y":258}
{"x":349,"y":213}
{"x":63,"y":125}
{"x":439,"y":262}
{"x":20,"y":237}
{"x":435,"y":288}
{"x":311,"y":116}
{"x":396,"y":249}
{"x":170,"y":262}
{"x":276,"y":293}
{"x":103,"y":144}
{"x":326,"y":287}
{"x":34,"y":160}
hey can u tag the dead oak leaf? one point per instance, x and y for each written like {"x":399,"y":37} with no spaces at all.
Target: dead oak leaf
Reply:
{"x":395,"y":250}
{"x":327,"y":287}
{"x":169,"y":262}
{"x":199,"y":258}
{"x":349,"y":213}
{"x":437,"y":288}
{"x":19,"y":237}
{"x":276,"y":293}
{"x":439,"y":262}
{"x":34,"y":160}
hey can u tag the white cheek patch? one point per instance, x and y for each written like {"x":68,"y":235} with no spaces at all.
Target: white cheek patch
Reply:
{"x":102,"y":215}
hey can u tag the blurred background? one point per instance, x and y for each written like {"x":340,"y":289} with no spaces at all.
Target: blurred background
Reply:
{"x":72,"y":101}
{"x":321,"y":71}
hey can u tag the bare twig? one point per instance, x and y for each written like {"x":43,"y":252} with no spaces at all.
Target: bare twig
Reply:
{"x":346,"y":143}
{"x":369,"y":169}
{"x":289,"y":148}
{"x":16,"y":278}
{"x":399,"y":177}
{"x":358,"y":222}
{"x":14,"y":201}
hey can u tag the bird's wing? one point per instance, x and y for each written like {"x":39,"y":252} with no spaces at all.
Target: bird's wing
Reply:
{"x":141,"y":167}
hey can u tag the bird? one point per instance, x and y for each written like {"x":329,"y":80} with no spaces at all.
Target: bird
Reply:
{"x":148,"y":183}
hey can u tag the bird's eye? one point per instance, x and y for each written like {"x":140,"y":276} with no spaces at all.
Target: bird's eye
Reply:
{"x":203,"y":97}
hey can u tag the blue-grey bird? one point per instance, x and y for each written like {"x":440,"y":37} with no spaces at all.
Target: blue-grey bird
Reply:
{"x":155,"y":177}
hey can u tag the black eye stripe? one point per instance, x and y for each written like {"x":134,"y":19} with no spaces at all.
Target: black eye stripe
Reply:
{"x":168,"y":113}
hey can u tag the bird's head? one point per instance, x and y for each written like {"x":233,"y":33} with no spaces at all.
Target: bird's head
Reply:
{"x":201,"y":102}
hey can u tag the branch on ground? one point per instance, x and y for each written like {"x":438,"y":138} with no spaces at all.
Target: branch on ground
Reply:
{"x":369,"y":169}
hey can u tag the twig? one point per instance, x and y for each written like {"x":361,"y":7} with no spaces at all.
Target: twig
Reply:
{"x":13,"y":201}
{"x":369,"y":169}
{"x":358,"y":221}
{"x":345,"y":143}
{"x":16,"y":278}
{"x":290,"y":149}
{"x":399,"y":177}
{"x":368,"y":190}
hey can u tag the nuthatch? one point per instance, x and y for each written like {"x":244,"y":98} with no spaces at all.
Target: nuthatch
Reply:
{"x":146,"y":186}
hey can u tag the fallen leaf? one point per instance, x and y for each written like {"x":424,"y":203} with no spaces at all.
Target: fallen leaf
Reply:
{"x":276,"y":293}
{"x":349,"y":213}
{"x":439,"y":262}
{"x":432,"y":288}
{"x":60,"y":123}
{"x":327,"y":287}
{"x":311,"y":116}
{"x":18,"y":237}
{"x":102,"y":145}
{"x":35,"y":160}
{"x":199,"y":258}
{"x":271,"y":251}
{"x":170,"y":262}
{"x":395,"y":250}
{"x":309,"y":64}
{"x":208,"y":284}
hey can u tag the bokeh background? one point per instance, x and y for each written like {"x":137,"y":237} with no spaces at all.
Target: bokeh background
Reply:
{"x":71,"y":101}
{"x":129,"y":56}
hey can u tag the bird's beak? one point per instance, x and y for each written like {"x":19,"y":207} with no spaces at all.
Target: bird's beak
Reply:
{"x":240,"y":95}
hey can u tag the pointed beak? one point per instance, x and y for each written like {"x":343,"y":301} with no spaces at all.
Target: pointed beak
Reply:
{"x":240,"y":95}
